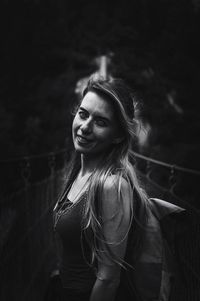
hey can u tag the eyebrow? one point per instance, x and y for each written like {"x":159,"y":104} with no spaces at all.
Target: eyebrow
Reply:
{"x":97,"y":116}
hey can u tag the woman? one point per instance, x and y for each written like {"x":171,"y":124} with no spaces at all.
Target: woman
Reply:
{"x":97,"y":210}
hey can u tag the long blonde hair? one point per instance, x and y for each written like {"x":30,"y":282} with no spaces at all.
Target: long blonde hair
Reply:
{"x":119,"y":160}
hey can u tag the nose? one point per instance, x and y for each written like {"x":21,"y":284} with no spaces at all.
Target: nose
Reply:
{"x":86,"y":127}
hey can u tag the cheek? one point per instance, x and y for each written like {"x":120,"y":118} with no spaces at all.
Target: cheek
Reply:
{"x":74,"y":124}
{"x":106,"y":136}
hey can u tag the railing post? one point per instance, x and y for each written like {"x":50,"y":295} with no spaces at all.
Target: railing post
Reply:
{"x":172,"y":180}
{"x":26,"y":171}
{"x":26,"y":174}
{"x":51,"y":165}
{"x":148,"y":169}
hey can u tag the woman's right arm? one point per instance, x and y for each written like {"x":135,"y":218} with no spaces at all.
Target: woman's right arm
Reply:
{"x":116,"y":223}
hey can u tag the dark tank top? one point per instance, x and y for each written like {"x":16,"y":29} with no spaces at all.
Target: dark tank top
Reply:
{"x":75,"y":272}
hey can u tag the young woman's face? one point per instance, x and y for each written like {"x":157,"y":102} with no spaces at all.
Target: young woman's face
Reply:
{"x":94,"y":127}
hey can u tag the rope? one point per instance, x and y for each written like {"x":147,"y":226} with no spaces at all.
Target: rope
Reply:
{"x":43,"y":155}
{"x":171,"y":166}
{"x":137,"y":155}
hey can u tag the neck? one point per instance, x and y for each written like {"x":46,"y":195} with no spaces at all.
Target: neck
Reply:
{"x":88,"y":164}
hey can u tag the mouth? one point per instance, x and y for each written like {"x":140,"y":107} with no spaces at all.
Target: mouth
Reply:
{"x":83,"y":141}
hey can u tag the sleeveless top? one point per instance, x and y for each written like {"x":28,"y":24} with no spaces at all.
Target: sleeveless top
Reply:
{"x":75,"y":272}
{"x":150,"y":278}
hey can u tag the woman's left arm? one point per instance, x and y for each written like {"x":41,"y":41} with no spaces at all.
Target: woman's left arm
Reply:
{"x":116,"y":215}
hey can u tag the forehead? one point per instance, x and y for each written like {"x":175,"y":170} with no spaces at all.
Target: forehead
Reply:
{"x":97,"y":105}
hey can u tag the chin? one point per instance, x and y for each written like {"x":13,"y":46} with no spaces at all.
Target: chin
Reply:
{"x":81,"y":149}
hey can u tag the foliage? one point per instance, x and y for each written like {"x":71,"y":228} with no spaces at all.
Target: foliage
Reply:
{"x":48,"y":47}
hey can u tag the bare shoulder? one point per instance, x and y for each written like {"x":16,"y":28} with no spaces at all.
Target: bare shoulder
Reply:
{"x":117,"y":199}
{"x":113,"y":183}
{"x":116,"y":191}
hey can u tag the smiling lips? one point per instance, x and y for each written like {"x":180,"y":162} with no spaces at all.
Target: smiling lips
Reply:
{"x":83,"y":140}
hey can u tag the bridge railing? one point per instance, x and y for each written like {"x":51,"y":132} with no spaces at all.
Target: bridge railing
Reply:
{"x":27,"y":246}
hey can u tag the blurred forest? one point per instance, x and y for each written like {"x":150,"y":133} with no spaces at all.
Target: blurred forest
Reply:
{"x":47,"y":46}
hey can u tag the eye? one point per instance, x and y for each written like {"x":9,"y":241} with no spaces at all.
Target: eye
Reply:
{"x":101,"y":122}
{"x":82,"y":114}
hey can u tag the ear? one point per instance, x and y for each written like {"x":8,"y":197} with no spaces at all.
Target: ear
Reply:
{"x":118,"y":140}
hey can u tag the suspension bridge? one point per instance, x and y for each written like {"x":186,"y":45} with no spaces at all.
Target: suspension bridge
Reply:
{"x":27,"y":246}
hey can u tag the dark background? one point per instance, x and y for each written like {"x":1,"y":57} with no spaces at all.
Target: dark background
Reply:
{"x":47,"y":46}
